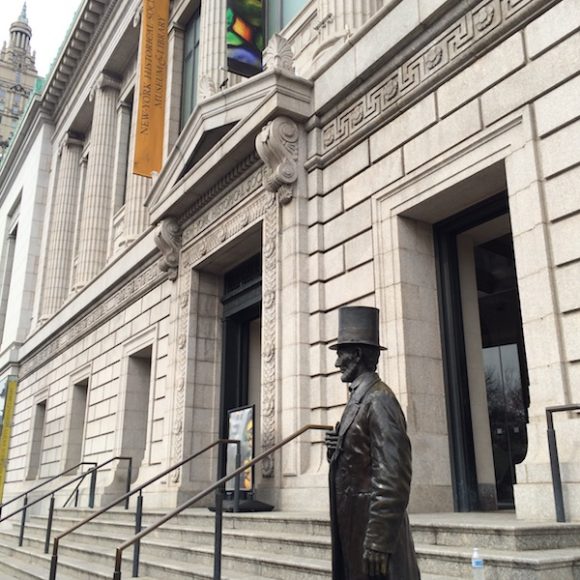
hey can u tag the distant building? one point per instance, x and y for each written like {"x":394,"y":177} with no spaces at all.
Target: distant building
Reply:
{"x":421,"y":156}
{"x":18,"y":76}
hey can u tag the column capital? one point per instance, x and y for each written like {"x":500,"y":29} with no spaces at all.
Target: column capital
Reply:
{"x":277,"y":146}
{"x":104,"y":81}
{"x":71,"y":140}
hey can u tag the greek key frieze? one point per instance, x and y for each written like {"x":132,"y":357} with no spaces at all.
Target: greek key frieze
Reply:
{"x":463,"y":35}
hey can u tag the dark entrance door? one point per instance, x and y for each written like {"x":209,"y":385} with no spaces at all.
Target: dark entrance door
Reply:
{"x":502,"y":351}
{"x":242,"y":310}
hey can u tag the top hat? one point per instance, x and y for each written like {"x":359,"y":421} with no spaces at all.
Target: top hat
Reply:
{"x":358,"y":325}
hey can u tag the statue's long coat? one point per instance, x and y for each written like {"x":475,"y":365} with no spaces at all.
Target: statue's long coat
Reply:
{"x":370,"y":480}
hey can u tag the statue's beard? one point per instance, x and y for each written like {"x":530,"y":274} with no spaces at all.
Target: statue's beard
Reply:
{"x":349,"y":372}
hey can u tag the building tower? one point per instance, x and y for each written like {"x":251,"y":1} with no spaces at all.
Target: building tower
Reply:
{"x":17,"y":76}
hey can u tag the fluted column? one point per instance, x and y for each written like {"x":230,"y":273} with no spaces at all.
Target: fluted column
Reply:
{"x":98,"y":200}
{"x":212,"y":58}
{"x":62,"y":228}
{"x":340,"y":16}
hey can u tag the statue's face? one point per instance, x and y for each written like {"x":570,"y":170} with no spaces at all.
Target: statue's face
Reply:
{"x":348,"y":361}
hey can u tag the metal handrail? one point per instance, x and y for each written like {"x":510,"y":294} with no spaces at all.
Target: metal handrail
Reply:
{"x":80,"y":478}
{"x":218,"y":513}
{"x":554,"y":461}
{"x":16,"y":498}
{"x":139,"y":508}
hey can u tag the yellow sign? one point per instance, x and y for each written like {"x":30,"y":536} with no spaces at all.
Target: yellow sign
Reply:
{"x":153,"y":77}
{"x":7,"y":401}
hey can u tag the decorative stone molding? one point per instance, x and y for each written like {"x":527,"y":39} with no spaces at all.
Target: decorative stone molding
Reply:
{"x":207,"y":88}
{"x":278,"y":55}
{"x":464,"y":37}
{"x":168,"y":240}
{"x":220,"y":187}
{"x":269,"y":333}
{"x":126,"y":295}
{"x":277,"y":145}
{"x":233,"y":198}
{"x":208,"y":240}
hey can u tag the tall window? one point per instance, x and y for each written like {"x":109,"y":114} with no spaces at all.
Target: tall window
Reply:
{"x":281,"y":12}
{"x":190,"y":68}
{"x":7,"y":265}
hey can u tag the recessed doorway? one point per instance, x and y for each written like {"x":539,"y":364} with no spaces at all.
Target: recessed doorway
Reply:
{"x":484,"y":354}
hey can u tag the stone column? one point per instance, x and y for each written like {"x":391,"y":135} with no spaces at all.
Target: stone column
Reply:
{"x":339,"y":16}
{"x":62,"y":227}
{"x":98,"y":196}
{"x":213,"y":41}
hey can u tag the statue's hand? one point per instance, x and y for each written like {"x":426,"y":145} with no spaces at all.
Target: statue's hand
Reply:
{"x":331,"y":440}
{"x":375,"y":563}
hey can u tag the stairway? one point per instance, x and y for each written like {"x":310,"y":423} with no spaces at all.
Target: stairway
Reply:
{"x":287,"y":546}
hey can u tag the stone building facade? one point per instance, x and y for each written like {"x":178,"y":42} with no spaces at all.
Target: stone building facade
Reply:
{"x":420,"y":156}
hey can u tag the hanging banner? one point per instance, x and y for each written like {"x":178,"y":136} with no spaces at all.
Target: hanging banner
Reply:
{"x":7,"y":401}
{"x":245,"y":36}
{"x":152,"y":85}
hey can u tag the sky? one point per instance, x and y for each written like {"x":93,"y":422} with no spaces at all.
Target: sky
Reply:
{"x":49,"y":21}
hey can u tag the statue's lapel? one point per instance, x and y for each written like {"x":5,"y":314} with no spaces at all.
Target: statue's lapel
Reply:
{"x":353,"y":406}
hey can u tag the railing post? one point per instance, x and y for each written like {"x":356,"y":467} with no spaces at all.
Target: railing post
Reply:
{"x":118,"y":561}
{"x":129,"y":476}
{"x":77,"y":498}
{"x":237,"y":478}
{"x":92,"y":488}
{"x":555,"y":467}
{"x":138,"y":522}
{"x":54,"y":560}
{"x":23,"y":522}
{"x":49,"y":525}
{"x":219,"y":512}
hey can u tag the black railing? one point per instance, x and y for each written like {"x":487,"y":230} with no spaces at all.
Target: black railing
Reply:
{"x":218,"y":485}
{"x":92,"y":472}
{"x":42,"y":484}
{"x":139,"y":507}
{"x":554,"y":461}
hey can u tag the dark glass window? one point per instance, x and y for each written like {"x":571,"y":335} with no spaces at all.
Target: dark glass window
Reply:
{"x":281,"y":12}
{"x":190,"y":68}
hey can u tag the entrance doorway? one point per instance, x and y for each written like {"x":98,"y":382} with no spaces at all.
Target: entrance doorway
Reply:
{"x":484,"y":354}
{"x":241,"y":376}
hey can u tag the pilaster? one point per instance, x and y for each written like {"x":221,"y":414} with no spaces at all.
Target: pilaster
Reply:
{"x":341,"y":17}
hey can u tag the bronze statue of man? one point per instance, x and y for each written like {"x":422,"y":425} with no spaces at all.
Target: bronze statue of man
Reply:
{"x":370,"y":463}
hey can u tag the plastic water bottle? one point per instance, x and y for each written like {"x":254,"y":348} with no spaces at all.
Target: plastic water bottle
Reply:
{"x":477,"y":571}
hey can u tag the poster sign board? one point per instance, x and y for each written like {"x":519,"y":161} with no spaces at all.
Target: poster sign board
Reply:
{"x":241,"y":427}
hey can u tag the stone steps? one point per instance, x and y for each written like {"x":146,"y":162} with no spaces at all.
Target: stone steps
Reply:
{"x":291,"y":546}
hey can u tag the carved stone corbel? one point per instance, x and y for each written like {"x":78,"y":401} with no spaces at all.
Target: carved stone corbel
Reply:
{"x":278,"y":55}
{"x":277,"y":146}
{"x":168,"y":240}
